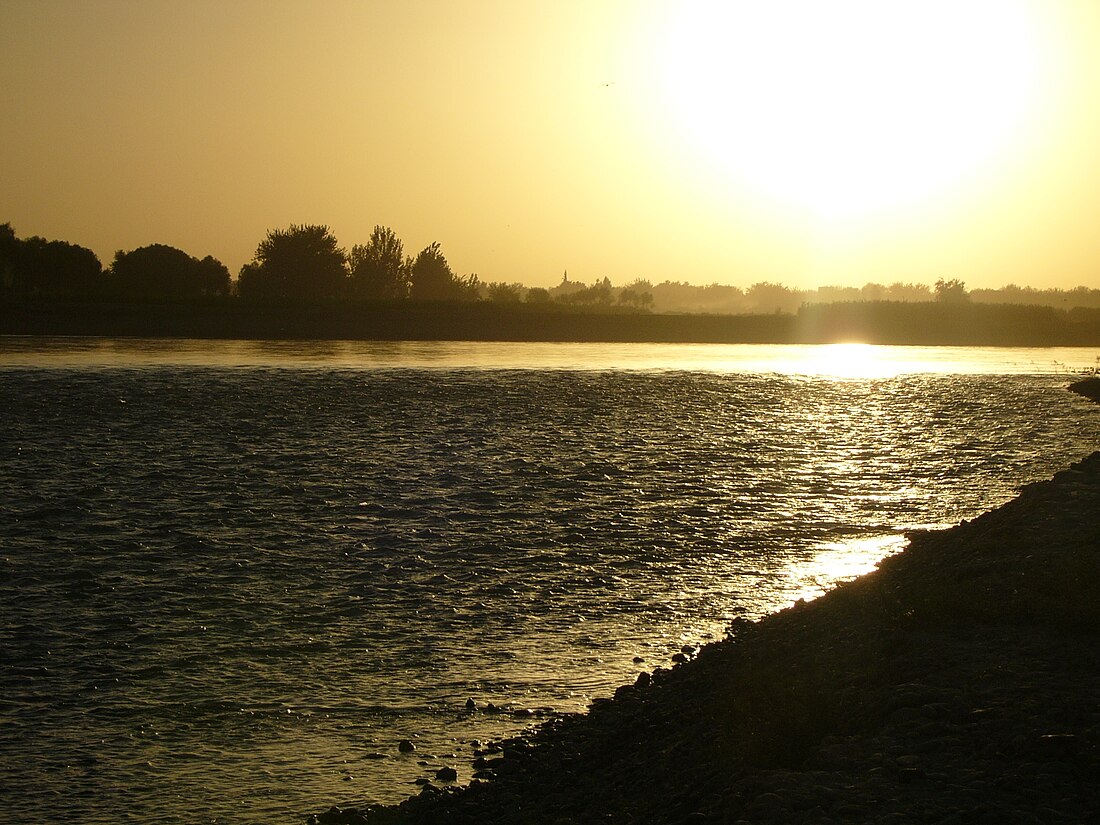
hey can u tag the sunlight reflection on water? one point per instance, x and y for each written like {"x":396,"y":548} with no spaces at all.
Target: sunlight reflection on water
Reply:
{"x":839,"y":562}
{"x":847,"y":361}
{"x":257,"y":565}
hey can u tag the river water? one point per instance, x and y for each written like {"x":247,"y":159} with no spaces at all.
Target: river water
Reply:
{"x":233,"y":575}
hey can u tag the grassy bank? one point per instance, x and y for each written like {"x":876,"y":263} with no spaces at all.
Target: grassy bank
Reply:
{"x":882,"y":323}
{"x":958,"y":683}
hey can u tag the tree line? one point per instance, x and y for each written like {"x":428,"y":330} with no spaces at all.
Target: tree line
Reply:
{"x":37,"y":268}
{"x":305,"y":263}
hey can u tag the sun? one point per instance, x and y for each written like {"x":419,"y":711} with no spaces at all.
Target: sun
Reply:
{"x":849,"y":107}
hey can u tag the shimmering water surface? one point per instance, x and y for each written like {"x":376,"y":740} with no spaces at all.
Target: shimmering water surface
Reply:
{"x":234,"y":575}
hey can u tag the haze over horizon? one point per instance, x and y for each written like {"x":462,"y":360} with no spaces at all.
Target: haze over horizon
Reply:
{"x":699,"y":141}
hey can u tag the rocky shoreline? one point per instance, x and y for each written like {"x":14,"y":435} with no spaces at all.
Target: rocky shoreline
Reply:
{"x":958,"y":683}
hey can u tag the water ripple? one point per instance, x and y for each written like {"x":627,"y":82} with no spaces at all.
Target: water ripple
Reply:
{"x":244,"y":585}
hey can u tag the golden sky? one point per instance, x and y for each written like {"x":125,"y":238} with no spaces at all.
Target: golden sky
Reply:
{"x":707,"y":141}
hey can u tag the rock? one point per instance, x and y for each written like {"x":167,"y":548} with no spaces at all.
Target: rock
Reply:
{"x":643,"y":680}
{"x":446,"y":774}
{"x":471,"y":704}
{"x":679,"y":658}
{"x":505,"y":767}
{"x":638,"y":660}
{"x":405,"y":746}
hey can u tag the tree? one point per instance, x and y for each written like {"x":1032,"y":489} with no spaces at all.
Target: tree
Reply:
{"x":504,"y":293}
{"x":599,"y":293}
{"x":9,"y":250}
{"x":304,"y":262}
{"x":565,"y":289}
{"x":379,"y":270}
{"x":538,"y":295}
{"x":765,"y":296}
{"x":35,"y":267}
{"x":158,"y":271}
{"x":951,"y":292}
{"x":638,"y":293}
{"x":431,"y":278}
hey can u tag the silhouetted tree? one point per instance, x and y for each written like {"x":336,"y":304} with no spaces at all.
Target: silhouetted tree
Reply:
{"x":9,"y":246}
{"x":431,"y":278}
{"x":768,"y":297}
{"x":503,"y":293}
{"x":638,"y":293}
{"x":951,"y":292}
{"x":158,"y":271}
{"x":538,"y":295}
{"x":300,"y":263}
{"x":379,"y":269}
{"x":599,"y":293}
{"x":909,"y":292}
{"x":676,"y":296}
{"x":873,"y":292}
{"x":470,"y":287}
{"x":35,"y":267}
{"x":562,"y":291}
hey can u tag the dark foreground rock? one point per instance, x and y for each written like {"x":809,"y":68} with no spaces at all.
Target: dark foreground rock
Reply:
{"x":1088,"y":387}
{"x":959,"y":683}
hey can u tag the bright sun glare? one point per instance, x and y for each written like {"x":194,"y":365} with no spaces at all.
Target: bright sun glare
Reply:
{"x":849,"y":361}
{"x":847,"y":107}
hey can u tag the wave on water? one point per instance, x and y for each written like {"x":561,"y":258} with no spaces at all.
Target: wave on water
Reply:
{"x":227,"y":593}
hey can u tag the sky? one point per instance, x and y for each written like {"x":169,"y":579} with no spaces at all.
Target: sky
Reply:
{"x":707,"y":141}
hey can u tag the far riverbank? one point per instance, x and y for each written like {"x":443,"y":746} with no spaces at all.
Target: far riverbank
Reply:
{"x":897,"y":323}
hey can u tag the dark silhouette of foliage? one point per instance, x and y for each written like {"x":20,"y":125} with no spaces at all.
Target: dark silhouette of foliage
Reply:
{"x":951,"y":292}
{"x":159,"y":272}
{"x":504,"y":293}
{"x":599,"y":294}
{"x":9,"y":246}
{"x":768,"y":297}
{"x":37,"y":268}
{"x":676,"y":296}
{"x":565,"y":289}
{"x":638,"y":294}
{"x":431,"y":278}
{"x":379,"y":270}
{"x":304,"y":262}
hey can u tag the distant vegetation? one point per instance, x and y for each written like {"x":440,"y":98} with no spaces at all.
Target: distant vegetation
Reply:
{"x":44,"y":285}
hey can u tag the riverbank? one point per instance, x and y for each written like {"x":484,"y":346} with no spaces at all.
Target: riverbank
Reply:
{"x":881,"y":322}
{"x":960,"y":682}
